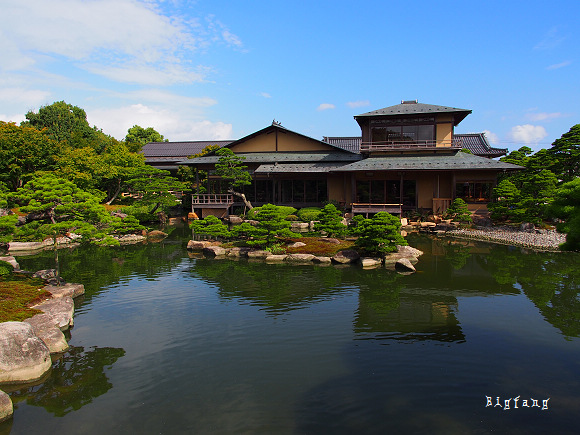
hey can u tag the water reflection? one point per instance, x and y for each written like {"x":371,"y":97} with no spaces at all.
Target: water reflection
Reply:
{"x":75,"y":380}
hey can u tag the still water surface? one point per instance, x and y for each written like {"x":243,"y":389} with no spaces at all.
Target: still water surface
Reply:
{"x":167,"y":342}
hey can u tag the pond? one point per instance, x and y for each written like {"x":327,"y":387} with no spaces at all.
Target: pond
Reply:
{"x":168,"y":342}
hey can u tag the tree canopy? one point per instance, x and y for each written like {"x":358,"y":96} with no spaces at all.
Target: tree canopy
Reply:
{"x":138,"y":136}
{"x":231,"y":168}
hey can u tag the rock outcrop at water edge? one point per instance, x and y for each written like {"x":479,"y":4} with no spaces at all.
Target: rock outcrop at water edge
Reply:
{"x":23,"y":356}
{"x":6,"y":408}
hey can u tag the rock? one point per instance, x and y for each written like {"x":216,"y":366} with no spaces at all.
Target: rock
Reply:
{"x":192,"y":216}
{"x":527,"y":227}
{"x":23,"y":356}
{"x":119,"y":214}
{"x":11,"y":260}
{"x":370,"y":262}
{"x":275,"y":258}
{"x":49,"y":276}
{"x":45,"y":328}
{"x":259,"y":254}
{"x":6,"y":408}
{"x":235,"y":220}
{"x":299,"y":258}
{"x":391,"y":259}
{"x":60,"y":309}
{"x":195,"y":245}
{"x":403,"y":233}
{"x":252,"y":222}
{"x":404,"y":265}
{"x":214,"y":251}
{"x":409,"y":251}
{"x":26,"y":246}
{"x":5,"y":212}
{"x":297,"y":245}
{"x":131,"y":238}
{"x":428,"y":224}
{"x":300,"y":227}
{"x":156,"y":234}
{"x":69,"y":289}
{"x":322,"y":260}
{"x":346,"y":256}
{"x":238,"y":252}
{"x":329,"y":240}
{"x":404,"y":222}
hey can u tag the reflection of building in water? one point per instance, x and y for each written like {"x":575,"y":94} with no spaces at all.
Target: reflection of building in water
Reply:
{"x":413,"y":317}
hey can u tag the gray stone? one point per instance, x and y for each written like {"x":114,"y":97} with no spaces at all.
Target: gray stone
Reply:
{"x":214,"y":251}
{"x":370,"y":262}
{"x":60,"y":309}
{"x":322,"y":260}
{"x":235,"y":220}
{"x":23,"y":356}
{"x":6,"y":408}
{"x":276,"y":258}
{"x":409,"y":251}
{"x":156,"y":235}
{"x":69,"y":289}
{"x":527,"y":227}
{"x":119,"y":214}
{"x":404,"y":222}
{"x":346,"y":256}
{"x":238,"y":252}
{"x":130,"y":238}
{"x":428,"y":224}
{"x":404,"y":265}
{"x":300,"y":227}
{"x":259,"y":254}
{"x":299,"y":258}
{"x":45,"y":328}
{"x":195,"y":245}
{"x":49,"y":276}
{"x":252,"y":222}
{"x":297,"y":245}
{"x":329,"y":240}
{"x":11,"y":260}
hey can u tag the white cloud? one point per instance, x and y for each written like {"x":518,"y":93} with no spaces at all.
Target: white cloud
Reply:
{"x":355,"y":104}
{"x":528,"y":134}
{"x":25,"y":97}
{"x":123,"y":40}
{"x":325,"y":106}
{"x":543,"y":116}
{"x":17,"y":119}
{"x":491,"y":137}
{"x":171,"y":124}
{"x":559,"y":65}
{"x":265,"y":95}
{"x":551,"y":40}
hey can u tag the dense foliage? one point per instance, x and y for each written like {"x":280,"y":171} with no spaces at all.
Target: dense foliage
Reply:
{"x":330,"y":221}
{"x":566,"y":206}
{"x":380,"y":234}
{"x":458,"y":211}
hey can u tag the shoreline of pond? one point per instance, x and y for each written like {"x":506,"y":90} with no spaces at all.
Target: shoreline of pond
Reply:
{"x":542,"y":240}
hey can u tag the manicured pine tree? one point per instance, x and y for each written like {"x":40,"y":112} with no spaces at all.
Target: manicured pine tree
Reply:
{"x":380,"y":234}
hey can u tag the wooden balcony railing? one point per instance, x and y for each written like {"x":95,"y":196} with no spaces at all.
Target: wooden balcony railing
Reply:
{"x":454,"y":144}
{"x":216,"y":200}
{"x":440,"y":205}
{"x":358,"y":207}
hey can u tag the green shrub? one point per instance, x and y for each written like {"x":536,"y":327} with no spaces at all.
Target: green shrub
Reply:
{"x":6,"y":269}
{"x":282,"y":209}
{"x":379,"y":235}
{"x":308,"y":214}
{"x":330,"y":221}
{"x":291,"y":218}
{"x":458,"y":211}
{"x":210,"y":226}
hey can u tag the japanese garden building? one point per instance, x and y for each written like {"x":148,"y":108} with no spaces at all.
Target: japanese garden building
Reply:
{"x":406,"y":158}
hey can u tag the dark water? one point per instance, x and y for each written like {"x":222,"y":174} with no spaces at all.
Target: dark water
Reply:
{"x":165,"y":342}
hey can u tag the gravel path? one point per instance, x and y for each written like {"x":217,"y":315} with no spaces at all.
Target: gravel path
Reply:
{"x":542,"y":240}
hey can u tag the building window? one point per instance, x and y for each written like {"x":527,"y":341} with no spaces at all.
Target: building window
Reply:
{"x":301,"y":192}
{"x":471,"y":191}
{"x":405,"y":133}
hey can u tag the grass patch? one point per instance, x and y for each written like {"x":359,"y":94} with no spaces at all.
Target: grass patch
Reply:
{"x":17,"y":295}
{"x":319,"y":247}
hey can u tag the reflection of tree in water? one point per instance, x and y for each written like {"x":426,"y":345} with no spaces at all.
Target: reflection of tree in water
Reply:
{"x":276,"y":287}
{"x":457,"y":254}
{"x":76,"y":379}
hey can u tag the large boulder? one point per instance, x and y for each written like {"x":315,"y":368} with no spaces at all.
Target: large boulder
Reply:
{"x":299,"y":258}
{"x":300,"y":227}
{"x":238,"y":252}
{"x":346,"y":256}
{"x":67,"y":290}
{"x":404,"y":265}
{"x":235,"y":220}
{"x":370,"y":262}
{"x":322,"y":260}
{"x":214,"y":251}
{"x":49,"y":276}
{"x":156,"y":235}
{"x":330,"y":240}
{"x":6,"y":408}
{"x":297,"y":245}
{"x":60,"y":309}
{"x":195,"y":245}
{"x":258,"y":254}
{"x":23,"y":356}
{"x":276,"y":258}
{"x":46,"y":328}
{"x":409,"y":251}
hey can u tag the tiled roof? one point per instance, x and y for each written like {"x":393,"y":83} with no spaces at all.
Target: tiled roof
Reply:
{"x":296,"y":157}
{"x":349,"y":143}
{"x":435,"y":162}
{"x":299,"y":167}
{"x":414,"y":108}
{"x":179,"y":149}
{"x":477,"y":143}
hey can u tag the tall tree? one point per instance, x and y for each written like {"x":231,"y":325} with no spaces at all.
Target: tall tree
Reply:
{"x":24,"y":150}
{"x":566,"y":206}
{"x":231,"y":168}
{"x":566,"y":153}
{"x":138,"y":136}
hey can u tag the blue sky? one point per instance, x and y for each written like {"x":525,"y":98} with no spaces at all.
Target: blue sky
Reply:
{"x":202,"y":70}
